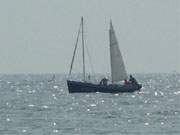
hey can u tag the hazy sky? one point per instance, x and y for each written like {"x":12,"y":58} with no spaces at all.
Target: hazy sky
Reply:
{"x":38,"y":36}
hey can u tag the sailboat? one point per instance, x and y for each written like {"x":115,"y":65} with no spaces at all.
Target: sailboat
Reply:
{"x":118,"y":71}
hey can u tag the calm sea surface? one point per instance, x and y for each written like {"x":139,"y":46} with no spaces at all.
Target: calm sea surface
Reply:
{"x":30,"y":105}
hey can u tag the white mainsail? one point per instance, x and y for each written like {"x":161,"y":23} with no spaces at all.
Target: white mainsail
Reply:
{"x":118,"y":71}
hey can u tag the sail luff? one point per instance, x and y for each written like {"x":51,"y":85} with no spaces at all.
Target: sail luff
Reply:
{"x":118,"y":71}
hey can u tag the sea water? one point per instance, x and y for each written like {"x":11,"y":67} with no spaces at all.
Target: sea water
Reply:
{"x":31,"y":105}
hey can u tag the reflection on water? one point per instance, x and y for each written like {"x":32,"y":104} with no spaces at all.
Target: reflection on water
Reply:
{"x":29,"y":104}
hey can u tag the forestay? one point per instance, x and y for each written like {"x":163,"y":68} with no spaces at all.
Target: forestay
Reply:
{"x":118,"y":71}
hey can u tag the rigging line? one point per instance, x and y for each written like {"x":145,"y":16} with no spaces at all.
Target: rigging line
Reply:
{"x":90,"y":60}
{"x":83,"y":55}
{"x":74,"y":53}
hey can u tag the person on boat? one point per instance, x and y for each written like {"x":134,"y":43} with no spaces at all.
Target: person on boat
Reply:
{"x":126,"y":82}
{"x":104,"y":81}
{"x":132,"y":80}
{"x":89,"y":77}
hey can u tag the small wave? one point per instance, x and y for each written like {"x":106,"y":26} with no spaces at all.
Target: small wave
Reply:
{"x":162,"y":123}
{"x":31,"y":105}
{"x":55,"y":87}
{"x":88,"y":109}
{"x":55,"y":131}
{"x":147,"y":114}
{"x":24,"y":130}
{"x":31,"y":91}
{"x":102,"y":101}
{"x":155,"y":93}
{"x":177,"y":92}
{"x":116,"y":94}
{"x":54,"y":124}
{"x":54,"y":96}
{"x":19,"y":91}
{"x":166,"y":112}
{"x":8,"y":119}
{"x":146,"y":124}
{"x":45,"y":107}
{"x":92,"y":105}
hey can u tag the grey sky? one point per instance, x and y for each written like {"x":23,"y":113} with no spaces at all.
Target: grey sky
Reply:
{"x":38,"y":36}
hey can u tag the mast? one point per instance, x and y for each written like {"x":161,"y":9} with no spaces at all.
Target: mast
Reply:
{"x":83,"y":48}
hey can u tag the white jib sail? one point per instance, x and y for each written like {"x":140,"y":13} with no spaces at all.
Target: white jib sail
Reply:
{"x":118,"y":71}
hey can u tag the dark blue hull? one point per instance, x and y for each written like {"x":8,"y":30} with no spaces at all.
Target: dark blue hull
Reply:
{"x":85,"y":87}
